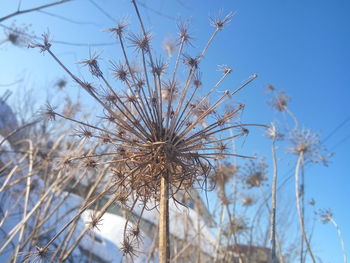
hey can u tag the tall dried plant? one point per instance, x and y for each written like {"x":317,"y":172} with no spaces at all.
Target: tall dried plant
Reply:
{"x":165,"y":137}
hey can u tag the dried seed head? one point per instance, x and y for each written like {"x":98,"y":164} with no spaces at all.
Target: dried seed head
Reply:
{"x":254,"y":173}
{"x":154,"y":134}
{"x":219,"y":20}
{"x":270,"y":87}
{"x":90,"y":163}
{"x":50,"y":112}
{"x":135,"y":233}
{"x":192,"y":62}
{"x":225,"y":69}
{"x":141,"y":42}
{"x":95,"y":221}
{"x":84,"y":132}
{"x":18,"y":36}
{"x":325,"y":215}
{"x":92,"y":63}
{"x":273,"y":133}
{"x":38,"y":256}
{"x":120,"y":71}
{"x":280,"y":101}
{"x":184,"y":35}
{"x":159,"y":67}
{"x":127,"y":247}
{"x":119,"y":29}
{"x":42,"y":46}
{"x":61,"y":83}
{"x":223,"y":173}
{"x":139,"y":83}
{"x":305,"y":142}
{"x":312,"y":202}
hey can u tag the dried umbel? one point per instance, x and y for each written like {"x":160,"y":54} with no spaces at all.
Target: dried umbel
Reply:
{"x":17,"y":36}
{"x":280,"y":100}
{"x":154,"y":122}
{"x":161,"y":134}
{"x":306,"y":142}
{"x":254,"y":173}
{"x":325,"y":215}
{"x":223,"y":173}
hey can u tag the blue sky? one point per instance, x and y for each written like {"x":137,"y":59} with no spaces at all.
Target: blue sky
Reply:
{"x":299,"y":46}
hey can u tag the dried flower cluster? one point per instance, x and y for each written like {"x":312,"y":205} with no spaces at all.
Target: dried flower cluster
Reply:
{"x":156,"y":125}
{"x":223,"y":173}
{"x":306,"y":142}
{"x":280,"y":100}
{"x":325,"y":215}
{"x":18,"y":36}
{"x":254,"y":173}
{"x":157,"y":134}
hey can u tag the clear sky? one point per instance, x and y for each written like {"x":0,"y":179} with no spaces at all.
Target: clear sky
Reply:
{"x":300,"y":46}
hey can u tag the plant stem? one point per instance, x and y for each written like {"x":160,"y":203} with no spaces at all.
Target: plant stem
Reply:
{"x":300,"y":214}
{"x":341,"y":239}
{"x":274,"y":203}
{"x":164,"y":248}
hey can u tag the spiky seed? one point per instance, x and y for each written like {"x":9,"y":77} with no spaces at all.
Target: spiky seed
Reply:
{"x":219,"y":20}
{"x":92,"y":63}
{"x":192,"y":62}
{"x":120,"y":71}
{"x":141,"y":42}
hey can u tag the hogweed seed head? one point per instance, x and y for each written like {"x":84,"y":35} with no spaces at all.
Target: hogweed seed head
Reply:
{"x":273,"y":133}
{"x":92,"y":63}
{"x":184,"y":35}
{"x":61,"y":83}
{"x":119,"y":29}
{"x":141,"y":42}
{"x":44,"y":46}
{"x":219,"y":21}
{"x":325,"y":215}
{"x":18,"y":36}
{"x":254,"y":173}
{"x":280,"y":101}
{"x":120,"y":71}
{"x":191,"y":62}
{"x":157,"y":128}
{"x":95,"y":221}
{"x":306,"y":142}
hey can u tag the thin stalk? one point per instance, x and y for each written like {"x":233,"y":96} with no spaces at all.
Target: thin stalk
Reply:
{"x":341,"y":239}
{"x":15,"y":229}
{"x":164,"y":248}
{"x":86,"y":229}
{"x":297,"y":195}
{"x":273,"y":204}
{"x":20,"y":12}
{"x":26,"y":200}
{"x":218,"y":241}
